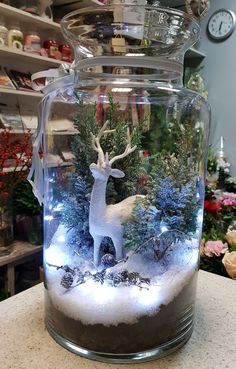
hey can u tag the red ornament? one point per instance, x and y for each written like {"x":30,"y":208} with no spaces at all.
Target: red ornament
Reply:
{"x":212,"y":207}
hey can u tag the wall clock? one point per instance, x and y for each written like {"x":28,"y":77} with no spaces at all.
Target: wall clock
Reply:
{"x":221,"y":24}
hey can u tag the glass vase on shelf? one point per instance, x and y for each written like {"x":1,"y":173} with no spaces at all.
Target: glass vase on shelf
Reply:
{"x":123,"y":218}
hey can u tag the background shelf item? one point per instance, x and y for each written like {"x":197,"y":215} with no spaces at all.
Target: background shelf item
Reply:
{"x":24,"y":17}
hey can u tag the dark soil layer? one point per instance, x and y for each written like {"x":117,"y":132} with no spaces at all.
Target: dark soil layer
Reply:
{"x":149,"y":332}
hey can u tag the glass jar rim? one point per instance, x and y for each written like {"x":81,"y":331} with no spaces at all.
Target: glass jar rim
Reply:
{"x":96,"y":7}
{"x":143,"y":31}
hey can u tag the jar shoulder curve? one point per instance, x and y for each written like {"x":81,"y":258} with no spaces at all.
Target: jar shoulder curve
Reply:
{"x":198,"y":101}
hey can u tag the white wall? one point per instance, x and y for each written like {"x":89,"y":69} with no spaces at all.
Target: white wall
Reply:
{"x":220,"y":76}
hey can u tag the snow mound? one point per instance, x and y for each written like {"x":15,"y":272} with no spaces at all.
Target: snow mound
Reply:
{"x":96,"y":303}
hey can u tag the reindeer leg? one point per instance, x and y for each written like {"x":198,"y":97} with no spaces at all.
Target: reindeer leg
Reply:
{"x":97,"y":240}
{"x":118,"y":244}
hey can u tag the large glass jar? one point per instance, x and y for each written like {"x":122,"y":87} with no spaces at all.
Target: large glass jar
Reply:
{"x":123,"y":215}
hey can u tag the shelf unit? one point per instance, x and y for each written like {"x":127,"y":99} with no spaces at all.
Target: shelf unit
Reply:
{"x":193,"y":58}
{"x":13,"y":131}
{"x":12,"y":169}
{"x":65,"y":132}
{"x":27,"y":62}
{"x":23,"y":61}
{"x":193,"y":53}
{"x":20,"y":15}
{"x":21,"y":253}
{"x":11,"y":91}
{"x":22,"y":55}
{"x":173,"y":3}
{"x":49,"y":165}
{"x":60,"y":133}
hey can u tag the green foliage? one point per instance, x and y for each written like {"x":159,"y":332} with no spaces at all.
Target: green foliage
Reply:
{"x":114,"y":143}
{"x":143,"y":227}
{"x":219,"y":218}
{"x":216,"y":223}
{"x":81,"y":144}
{"x":212,"y":233}
{"x":75,"y":214}
{"x":194,"y":81}
{"x":176,"y":163}
{"x":232,"y":247}
{"x":228,"y":215}
{"x":230,"y":184}
{"x":211,"y":163}
{"x":214,"y":265}
{"x":222,"y":178}
{"x":24,"y":201}
{"x":130,"y":165}
{"x":171,"y":203}
{"x":163,"y":133}
{"x":166,"y":207}
{"x":177,"y":205}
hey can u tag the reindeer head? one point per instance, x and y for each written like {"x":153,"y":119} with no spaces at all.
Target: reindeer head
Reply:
{"x":102,"y":170}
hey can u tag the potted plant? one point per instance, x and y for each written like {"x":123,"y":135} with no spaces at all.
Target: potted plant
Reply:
{"x":15,"y":159}
{"x":27,"y":214}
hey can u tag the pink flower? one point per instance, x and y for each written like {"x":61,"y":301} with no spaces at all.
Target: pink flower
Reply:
{"x":228,"y":200}
{"x":215,"y":248}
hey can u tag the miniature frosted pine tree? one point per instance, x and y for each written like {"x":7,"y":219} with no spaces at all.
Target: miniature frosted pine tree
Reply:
{"x":171,"y":204}
{"x":75,"y":215}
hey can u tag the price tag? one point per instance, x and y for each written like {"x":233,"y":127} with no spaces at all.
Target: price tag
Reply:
{"x":118,"y":44}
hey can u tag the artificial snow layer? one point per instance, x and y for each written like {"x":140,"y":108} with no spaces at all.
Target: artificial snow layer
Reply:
{"x":94,"y":303}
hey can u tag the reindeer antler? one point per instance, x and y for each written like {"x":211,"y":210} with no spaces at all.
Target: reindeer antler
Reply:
{"x":102,"y":158}
{"x":128,"y":149}
{"x":96,"y":143}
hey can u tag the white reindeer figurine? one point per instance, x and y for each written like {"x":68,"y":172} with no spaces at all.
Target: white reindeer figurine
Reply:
{"x":107,"y":220}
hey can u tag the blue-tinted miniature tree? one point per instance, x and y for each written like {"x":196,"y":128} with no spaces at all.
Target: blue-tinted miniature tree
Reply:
{"x":168,"y":213}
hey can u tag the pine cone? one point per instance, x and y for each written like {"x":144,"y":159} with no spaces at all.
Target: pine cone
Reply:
{"x":120,"y":277}
{"x":67,"y":269}
{"x":108,"y":260}
{"x":67,"y":280}
{"x":125,"y":275}
{"x":79,"y":277}
{"x":117,"y":279}
{"x":110,"y":276}
{"x":100,"y":276}
{"x":134,"y":278}
{"x":145,"y":281}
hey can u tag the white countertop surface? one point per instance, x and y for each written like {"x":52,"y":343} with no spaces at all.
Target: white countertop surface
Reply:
{"x":25,"y":343}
